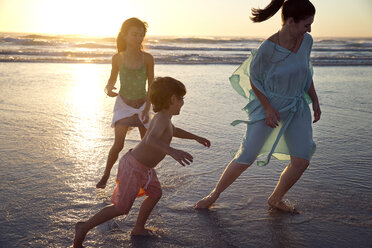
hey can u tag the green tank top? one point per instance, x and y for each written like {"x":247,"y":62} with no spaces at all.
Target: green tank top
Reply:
{"x":133,"y":82}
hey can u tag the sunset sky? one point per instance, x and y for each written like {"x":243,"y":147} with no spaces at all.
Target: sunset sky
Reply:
{"x":334,"y":18}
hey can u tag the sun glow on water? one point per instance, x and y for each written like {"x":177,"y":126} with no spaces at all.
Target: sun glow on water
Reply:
{"x":86,"y":88}
{"x":84,"y":108}
{"x":85,"y":124}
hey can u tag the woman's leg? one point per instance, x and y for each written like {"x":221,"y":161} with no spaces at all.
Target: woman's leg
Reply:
{"x":231,"y":173}
{"x":82,"y":228}
{"x":120,"y":133}
{"x":287,"y":179}
{"x":254,"y":139}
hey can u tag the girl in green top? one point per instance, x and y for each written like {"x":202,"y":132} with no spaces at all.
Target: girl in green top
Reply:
{"x":134,"y":67}
{"x":277,"y":82}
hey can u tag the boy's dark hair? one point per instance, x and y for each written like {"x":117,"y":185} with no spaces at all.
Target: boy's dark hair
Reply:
{"x":161,"y":91}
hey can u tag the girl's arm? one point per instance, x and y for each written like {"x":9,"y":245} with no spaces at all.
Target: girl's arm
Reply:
{"x":149,"y":61}
{"x":272,"y":115}
{"x":314,"y":99}
{"x":113,"y":76}
{"x":180,"y":133}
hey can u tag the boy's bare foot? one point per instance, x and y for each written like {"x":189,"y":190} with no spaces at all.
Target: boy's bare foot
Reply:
{"x":207,"y":201}
{"x":79,"y":235}
{"x":102,"y":183}
{"x":141,"y":232}
{"x":281,"y":206}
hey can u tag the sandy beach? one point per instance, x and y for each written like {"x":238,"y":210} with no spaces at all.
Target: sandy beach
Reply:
{"x":55,"y":134}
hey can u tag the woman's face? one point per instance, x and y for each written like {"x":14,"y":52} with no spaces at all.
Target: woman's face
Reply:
{"x":303,"y":26}
{"x":135,"y":36}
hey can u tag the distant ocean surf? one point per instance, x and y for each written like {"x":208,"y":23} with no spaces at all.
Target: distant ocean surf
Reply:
{"x":172,"y":50}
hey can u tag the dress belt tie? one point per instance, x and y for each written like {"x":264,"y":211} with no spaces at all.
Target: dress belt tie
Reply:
{"x":293,"y":107}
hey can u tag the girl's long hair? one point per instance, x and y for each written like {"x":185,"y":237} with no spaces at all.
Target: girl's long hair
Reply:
{"x":121,"y":43}
{"x":297,"y":9}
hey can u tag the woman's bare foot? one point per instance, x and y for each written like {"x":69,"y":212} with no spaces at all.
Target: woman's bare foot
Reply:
{"x":141,"y":232}
{"x":102,"y":183}
{"x":281,"y":205}
{"x":207,"y":201}
{"x":79,"y":236}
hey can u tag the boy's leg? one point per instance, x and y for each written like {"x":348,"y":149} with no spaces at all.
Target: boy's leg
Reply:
{"x":231,"y":173}
{"x":82,"y":228}
{"x":147,"y":205}
{"x":287,"y":179}
{"x":120,"y":133}
{"x":154,"y":193}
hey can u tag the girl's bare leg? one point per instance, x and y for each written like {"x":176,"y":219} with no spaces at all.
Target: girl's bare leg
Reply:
{"x":142,"y":131}
{"x":231,"y":173}
{"x":120,"y":133}
{"x":287,"y":179}
{"x":147,"y":205}
{"x":82,"y":228}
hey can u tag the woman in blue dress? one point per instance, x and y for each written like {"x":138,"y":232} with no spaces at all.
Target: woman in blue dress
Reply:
{"x":277,"y":82}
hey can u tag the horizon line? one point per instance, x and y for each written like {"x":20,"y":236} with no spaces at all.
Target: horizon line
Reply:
{"x":162,"y":35}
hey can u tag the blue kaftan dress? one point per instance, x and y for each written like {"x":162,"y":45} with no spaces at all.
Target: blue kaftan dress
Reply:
{"x":284,"y":78}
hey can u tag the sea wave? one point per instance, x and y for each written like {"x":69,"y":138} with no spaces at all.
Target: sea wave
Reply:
{"x":192,"y":58}
{"x":28,"y":42}
{"x":180,"y":48}
{"x":170,"y":50}
{"x":211,"y":40}
{"x":88,"y":54}
{"x":54,"y":60}
{"x":94,"y":45}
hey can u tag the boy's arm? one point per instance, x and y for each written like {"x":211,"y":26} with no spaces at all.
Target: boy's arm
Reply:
{"x":154,"y":139}
{"x":180,"y":133}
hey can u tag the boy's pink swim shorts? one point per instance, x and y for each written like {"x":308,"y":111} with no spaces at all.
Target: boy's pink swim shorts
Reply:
{"x":133,"y":176}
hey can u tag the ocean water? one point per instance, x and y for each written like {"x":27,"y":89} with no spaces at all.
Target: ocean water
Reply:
{"x":55,"y":135}
{"x":170,"y":50}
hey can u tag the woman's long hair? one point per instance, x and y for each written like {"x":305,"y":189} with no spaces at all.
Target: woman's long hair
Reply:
{"x":121,"y":43}
{"x":297,"y":9}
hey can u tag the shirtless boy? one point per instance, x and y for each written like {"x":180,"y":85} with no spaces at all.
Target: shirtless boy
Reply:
{"x":136,"y":174}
